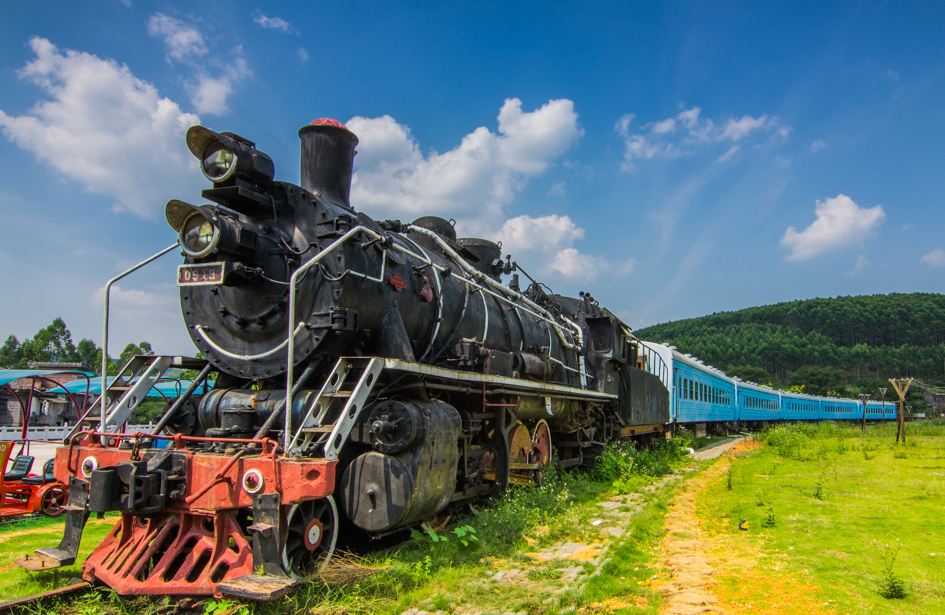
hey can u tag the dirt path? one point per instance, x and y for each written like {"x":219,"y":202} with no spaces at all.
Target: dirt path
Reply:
{"x":711,"y":570}
{"x":684,"y":577}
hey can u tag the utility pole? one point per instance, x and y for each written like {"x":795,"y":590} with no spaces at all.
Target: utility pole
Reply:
{"x":864,"y":397}
{"x":882,"y":391}
{"x":901,"y":386}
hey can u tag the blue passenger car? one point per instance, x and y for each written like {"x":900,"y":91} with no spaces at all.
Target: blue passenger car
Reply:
{"x":758,"y":403}
{"x":838,"y":409}
{"x":702,"y":392}
{"x":799,"y":407}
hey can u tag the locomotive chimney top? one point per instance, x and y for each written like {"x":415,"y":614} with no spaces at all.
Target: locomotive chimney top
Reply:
{"x":328,"y":159}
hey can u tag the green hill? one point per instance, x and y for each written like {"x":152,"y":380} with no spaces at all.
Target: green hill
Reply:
{"x":850,"y":342}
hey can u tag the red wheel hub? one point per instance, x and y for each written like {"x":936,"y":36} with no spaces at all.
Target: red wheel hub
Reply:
{"x":313,"y":534}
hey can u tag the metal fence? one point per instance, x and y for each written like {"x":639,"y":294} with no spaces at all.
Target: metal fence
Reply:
{"x":55,"y":434}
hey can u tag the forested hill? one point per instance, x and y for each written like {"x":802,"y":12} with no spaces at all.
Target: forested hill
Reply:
{"x":878,"y":336}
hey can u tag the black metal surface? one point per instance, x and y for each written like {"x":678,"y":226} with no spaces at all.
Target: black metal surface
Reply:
{"x":380,"y":492}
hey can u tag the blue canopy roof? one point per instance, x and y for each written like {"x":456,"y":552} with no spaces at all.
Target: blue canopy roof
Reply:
{"x":170,"y":388}
{"x":9,"y":375}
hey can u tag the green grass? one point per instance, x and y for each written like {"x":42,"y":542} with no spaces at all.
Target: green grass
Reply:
{"x":23,"y":537}
{"x":851,"y":513}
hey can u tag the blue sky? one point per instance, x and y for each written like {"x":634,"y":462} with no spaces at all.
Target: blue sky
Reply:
{"x":674,"y":159}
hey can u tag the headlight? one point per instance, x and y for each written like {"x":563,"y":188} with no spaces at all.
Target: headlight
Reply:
{"x":199,"y":236}
{"x":217,"y":162}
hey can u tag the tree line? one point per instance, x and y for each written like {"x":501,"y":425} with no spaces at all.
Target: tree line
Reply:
{"x":54,"y":344}
{"x":844,"y":345}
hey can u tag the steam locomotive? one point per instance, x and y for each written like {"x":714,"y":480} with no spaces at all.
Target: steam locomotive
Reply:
{"x":369,"y":376}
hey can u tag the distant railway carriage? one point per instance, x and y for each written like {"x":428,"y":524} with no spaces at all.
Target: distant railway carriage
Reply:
{"x":700,"y":393}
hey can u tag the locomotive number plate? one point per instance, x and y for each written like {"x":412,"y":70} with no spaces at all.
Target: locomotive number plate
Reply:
{"x":204,"y":274}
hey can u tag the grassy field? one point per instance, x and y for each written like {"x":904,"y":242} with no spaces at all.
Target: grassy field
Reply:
{"x":450,"y":572}
{"x":835,"y":520}
{"x":23,"y":537}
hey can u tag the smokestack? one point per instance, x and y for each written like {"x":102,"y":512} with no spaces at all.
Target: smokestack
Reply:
{"x":327,"y":159}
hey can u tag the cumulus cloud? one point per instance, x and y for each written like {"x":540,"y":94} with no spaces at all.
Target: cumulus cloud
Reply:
{"x":209,"y":94}
{"x":477,"y":178}
{"x":817,"y":145}
{"x":274,"y":23}
{"x":686,"y":134}
{"x":549,"y":240}
{"x":106,"y":129}
{"x":840,"y":223}
{"x":935,"y":258}
{"x":212,"y":82}
{"x":303,"y":55}
{"x":183,"y":41}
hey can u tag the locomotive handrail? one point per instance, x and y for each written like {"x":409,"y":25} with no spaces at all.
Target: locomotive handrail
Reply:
{"x":246,"y":357}
{"x":108,"y":289}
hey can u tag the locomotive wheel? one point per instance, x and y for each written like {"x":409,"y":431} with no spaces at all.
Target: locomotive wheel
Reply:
{"x":541,"y":445}
{"x":52,"y":501}
{"x":312,"y":531}
{"x":521,"y":452}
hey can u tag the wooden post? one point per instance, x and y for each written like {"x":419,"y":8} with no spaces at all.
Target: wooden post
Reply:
{"x":901,"y":391}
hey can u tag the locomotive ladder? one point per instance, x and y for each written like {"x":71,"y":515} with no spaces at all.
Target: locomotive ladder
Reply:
{"x":335,"y":412}
{"x":128,"y":390}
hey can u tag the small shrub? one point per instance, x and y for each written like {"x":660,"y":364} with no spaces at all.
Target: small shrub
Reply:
{"x":730,"y":478}
{"x":900,"y":454}
{"x":769,"y":520}
{"x":819,"y":492}
{"x":891,"y":587}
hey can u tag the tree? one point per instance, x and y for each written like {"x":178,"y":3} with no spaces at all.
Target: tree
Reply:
{"x":748,"y":373}
{"x":86,"y":352}
{"x":10,"y":353}
{"x":131,"y":350}
{"x":820,"y":380}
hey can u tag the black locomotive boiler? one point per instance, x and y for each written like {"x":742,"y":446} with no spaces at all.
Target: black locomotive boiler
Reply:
{"x":370,"y":375}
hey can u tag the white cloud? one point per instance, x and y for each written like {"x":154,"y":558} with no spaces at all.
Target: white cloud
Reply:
{"x":303,"y":55}
{"x":209,"y":94}
{"x":213,"y":81}
{"x":183,"y":41}
{"x":549,"y":241}
{"x":125,"y":2}
{"x":737,"y":130}
{"x":106,"y":129}
{"x":935,"y":258}
{"x":840,"y":223}
{"x":274,"y":23}
{"x":475,"y":180}
{"x":861,"y":262}
{"x":686,"y":134}
{"x":729,"y":154}
{"x":817,"y":145}
{"x":557,"y":189}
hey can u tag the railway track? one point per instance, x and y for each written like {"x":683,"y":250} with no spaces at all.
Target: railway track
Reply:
{"x":29,"y":601}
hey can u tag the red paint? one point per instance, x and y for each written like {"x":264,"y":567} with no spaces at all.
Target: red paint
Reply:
{"x":397,"y":282}
{"x":296,"y":480}
{"x":191,"y":554}
{"x":426,"y":293}
{"x":327,"y":121}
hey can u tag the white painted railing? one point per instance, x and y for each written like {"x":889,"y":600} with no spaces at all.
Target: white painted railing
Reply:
{"x":55,"y":434}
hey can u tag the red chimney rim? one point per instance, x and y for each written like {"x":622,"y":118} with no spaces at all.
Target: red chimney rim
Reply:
{"x":327,"y":121}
